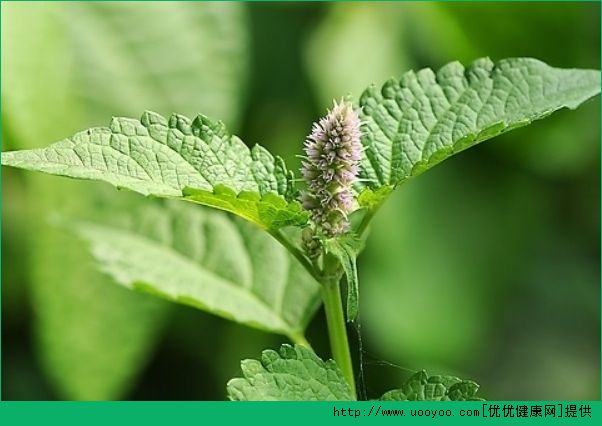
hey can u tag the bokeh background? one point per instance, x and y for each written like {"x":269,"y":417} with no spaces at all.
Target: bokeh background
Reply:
{"x":487,"y":267}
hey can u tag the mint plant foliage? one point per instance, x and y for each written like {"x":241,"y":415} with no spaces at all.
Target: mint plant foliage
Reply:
{"x":422,"y":387}
{"x":197,"y":160}
{"x":292,"y":373}
{"x":296,"y":373}
{"x":425,"y":117}
{"x":209,"y":261}
{"x":354,"y":157}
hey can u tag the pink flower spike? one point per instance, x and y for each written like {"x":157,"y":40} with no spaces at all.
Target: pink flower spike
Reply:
{"x":333,"y":152}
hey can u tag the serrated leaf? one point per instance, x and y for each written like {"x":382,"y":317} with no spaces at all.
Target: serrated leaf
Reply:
{"x":422,"y":387}
{"x":425,"y":117}
{"x":291,"y":374}
{"x":161,"y":157}
{"x":346,"y":249}
{"x":208,"y":261}
{"x":270,"y":211}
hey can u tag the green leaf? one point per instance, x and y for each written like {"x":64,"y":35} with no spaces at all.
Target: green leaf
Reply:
{"x":425,"y":117}
{"x":269,"y":211}
{"x":94,"y":337}
{"x":208,"y":261}
{"x":370,"y":200}
{"x":55,"y":84}
{"x":422,"y":387}
{"x":175,"y":158}
{"x":346,"y":249}
{"x":292,"y":373}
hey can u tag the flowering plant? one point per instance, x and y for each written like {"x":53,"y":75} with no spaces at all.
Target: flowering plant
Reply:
{"x":298,"y":243}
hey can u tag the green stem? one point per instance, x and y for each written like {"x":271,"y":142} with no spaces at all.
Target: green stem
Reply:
{"x":298,"y":254}
{"x":337,"y":331}
{"x":333,"y":306}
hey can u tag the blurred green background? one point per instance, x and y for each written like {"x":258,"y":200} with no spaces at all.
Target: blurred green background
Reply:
{"x":487,"y":267}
